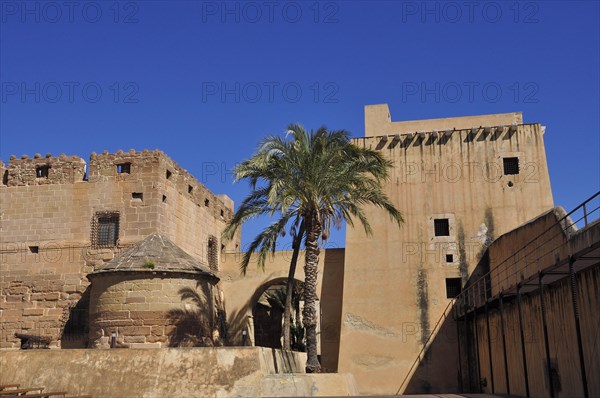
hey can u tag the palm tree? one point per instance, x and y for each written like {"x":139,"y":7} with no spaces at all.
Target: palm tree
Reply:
{"x":285,"y":300}
{"x":319,"y":179}
{"x":297,"y":236}
{"x":265,"y":243}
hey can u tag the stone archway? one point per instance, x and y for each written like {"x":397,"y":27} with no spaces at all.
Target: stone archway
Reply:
{"x":267,"y":305}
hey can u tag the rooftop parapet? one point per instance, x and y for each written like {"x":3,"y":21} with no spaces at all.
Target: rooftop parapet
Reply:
{"x":155,"y":165}
{"x":43,"y":170}
{"x":378,"y":122}
{"x":130,"y":166}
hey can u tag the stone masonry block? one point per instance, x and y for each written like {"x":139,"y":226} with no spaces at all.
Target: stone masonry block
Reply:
{"x":137,"y":299}
{"x":33,"y":312}
{"x":134,"y":339}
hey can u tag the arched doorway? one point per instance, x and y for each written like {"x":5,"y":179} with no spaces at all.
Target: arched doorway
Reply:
{"x":268,"y":306}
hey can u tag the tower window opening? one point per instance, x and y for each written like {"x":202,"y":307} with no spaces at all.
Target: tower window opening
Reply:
{"x":42,"y":171}
{"x":124,"y":168}
{"x":511,"y":166}
{"x":441,"y":227}
{"x":453,"y":287}
{"x":105,"y":229}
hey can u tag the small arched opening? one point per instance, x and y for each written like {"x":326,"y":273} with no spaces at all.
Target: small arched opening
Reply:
{"x":268,"y":305}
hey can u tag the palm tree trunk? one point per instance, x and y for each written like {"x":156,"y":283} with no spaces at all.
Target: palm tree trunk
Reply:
{"x":310,"y":296}
{"x":290,"y":289}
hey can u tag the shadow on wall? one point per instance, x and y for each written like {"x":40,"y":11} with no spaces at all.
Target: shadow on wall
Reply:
{"x":235,"y":324}
{"x":526,"y":336}
{"x":193,"y":325}
{"x":76,"y":329}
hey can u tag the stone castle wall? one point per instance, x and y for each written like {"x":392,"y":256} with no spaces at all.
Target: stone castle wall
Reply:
{"x":46,"y":222}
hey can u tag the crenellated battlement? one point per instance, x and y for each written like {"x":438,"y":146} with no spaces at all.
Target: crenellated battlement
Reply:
{"x":130,"y":166}
{"x":124,"y":166}
{"x":43,"y":170}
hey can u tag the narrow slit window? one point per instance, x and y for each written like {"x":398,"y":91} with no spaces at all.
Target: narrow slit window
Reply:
{"x":511,"y":166}
{"x":441,"y":227}
{"x":169,"y":174}
{"x":190,"y":189}
{"x":206,"y":202}
{"x":453,"y":287}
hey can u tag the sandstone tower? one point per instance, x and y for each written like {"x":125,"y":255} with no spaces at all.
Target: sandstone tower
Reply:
{"x":62,"y":219}
{"x":459,"y":183}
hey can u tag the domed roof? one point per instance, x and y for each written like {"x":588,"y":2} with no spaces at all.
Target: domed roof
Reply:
{"x":155,"y":253}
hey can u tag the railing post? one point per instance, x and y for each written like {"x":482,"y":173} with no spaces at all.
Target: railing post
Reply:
{"x":504,"y":345}
{"x":575,"y":296}
{"x":460,"y":376}
{"x":585,"y":214}
{"x":477,"y":349}
{"x":546,"y":342}
{"x":489,"y":341}
{"x":523,"y":353}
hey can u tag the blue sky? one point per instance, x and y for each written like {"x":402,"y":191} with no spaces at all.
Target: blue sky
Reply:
{"x":205,"y":81}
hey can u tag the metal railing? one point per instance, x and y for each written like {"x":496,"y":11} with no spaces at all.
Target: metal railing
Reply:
{"x":529,"y":259}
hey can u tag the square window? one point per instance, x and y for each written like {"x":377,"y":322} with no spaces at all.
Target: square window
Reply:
{"x":441,"y":227}
{"x":511,"y":166}
{"x":449,"y":258}
{"x":42,"y":171}
{"x":453,"y":287}
{"x":105,"y":231}
{"x":137,"y":196}
{"x":124,"y":168}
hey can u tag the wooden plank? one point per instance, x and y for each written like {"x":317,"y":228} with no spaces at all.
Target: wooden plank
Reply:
{"x":47,"y":394}
{"x":20,"y":391}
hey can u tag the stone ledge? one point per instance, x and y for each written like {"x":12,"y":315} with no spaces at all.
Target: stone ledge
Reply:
{"x":171,"y":372}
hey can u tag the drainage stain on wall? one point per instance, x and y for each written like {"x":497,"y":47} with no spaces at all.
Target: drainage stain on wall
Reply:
{"x":463,"y":266}
{"x":423,"y":304}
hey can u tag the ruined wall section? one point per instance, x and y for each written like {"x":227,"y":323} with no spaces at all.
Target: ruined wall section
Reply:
{"x":47,"y":226}
{"x":3,"y":173}
{"x":44,"y":170}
